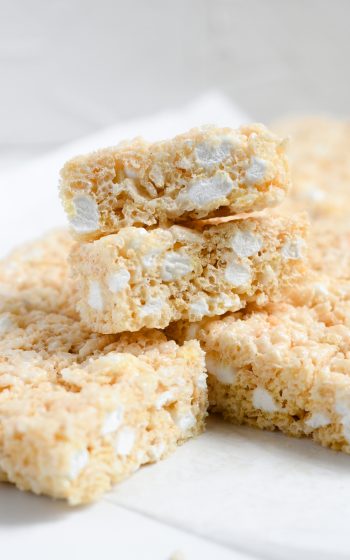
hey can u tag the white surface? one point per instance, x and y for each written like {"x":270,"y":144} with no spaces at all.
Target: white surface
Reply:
{"x":231,"y":493}
{"x":259,"y":493}
{"x":36,"y":527}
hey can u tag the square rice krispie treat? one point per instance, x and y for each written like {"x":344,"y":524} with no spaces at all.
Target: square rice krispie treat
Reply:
{"x":204,"y":173}
{"x":81,"y":411}
{"x":138,"y":278}
{"x":286,"y":367}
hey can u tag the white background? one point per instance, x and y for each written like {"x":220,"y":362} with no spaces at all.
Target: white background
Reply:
{"x":70,"y":67}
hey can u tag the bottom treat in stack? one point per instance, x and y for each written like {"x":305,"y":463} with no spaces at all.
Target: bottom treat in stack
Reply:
{"x":81,"y":411}
{"x":287,"y":366}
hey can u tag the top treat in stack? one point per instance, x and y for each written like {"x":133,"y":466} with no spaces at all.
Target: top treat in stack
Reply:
{"x":207,"y":172}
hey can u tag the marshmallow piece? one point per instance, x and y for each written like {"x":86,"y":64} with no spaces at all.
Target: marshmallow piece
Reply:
{"x":208,"y":155}
{"x":149,"y":260}
{"x":86,"y":217}
{"x":237,"y":274}
{"x":202,"y":381}
{"x":246,"y":244}
{"x":136,"y":241}
{"x":206,"y":192}
{"x":95,"y":299}
{"x":184,"y":421}
{"x":199,"y":308}
{"x":118,"y":281}
{"x":224,"y":373}
{"x":256,"y":171}
{"x":125,"y":441}
{"x":263,"y":400}
{"x":79,"y":461}
{"x":112,"y":421}
{"x":318,"y":420}
{"x":175,"y":266}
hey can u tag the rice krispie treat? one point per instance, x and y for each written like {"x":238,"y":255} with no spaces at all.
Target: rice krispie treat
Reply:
{"x":81,"y":411}
{"x":320,"y":165}
{"x":286,"y":367}
{"x":140,"y":278}
{"x":204,"y":173}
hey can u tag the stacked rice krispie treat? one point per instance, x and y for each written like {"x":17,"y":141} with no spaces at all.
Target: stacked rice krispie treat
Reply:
{"x":170,"y":230}
{"x":182,"y":235}
{"x":287,"y":366}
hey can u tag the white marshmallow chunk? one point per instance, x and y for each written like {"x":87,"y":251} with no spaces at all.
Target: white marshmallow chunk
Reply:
{"x":224,"y":373}
{"x":263,"y":400}
{"x":86,"y":218}
{"x":175,"y":266}
{"x":237,"y":274}
{"x":95,"y":299}
{"x":245,"y":244}
{"x":118,"y":281}
{"x":256,"y":171}
{"x":125,"y":441}
{"x":112,"y":421}
{"x":201,"y":193}
{"x":78,"y":462}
